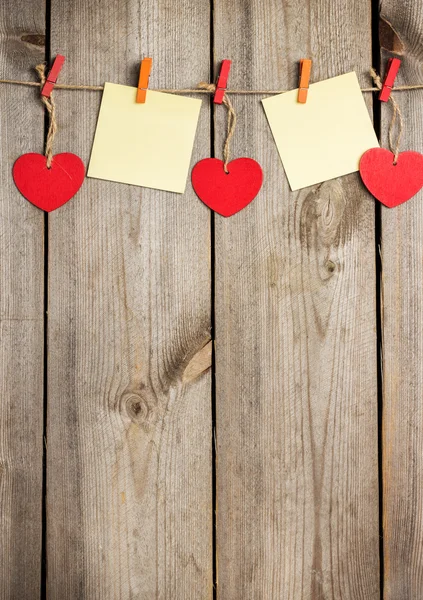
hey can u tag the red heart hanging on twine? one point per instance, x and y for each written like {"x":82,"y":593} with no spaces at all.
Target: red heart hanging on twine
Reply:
{"x":392,"y":184}
{"x":47,"y":188}
{"x":227,"y":193}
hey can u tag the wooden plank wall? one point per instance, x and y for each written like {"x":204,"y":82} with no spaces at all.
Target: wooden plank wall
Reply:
{"x":130,"y":293}
{"x":402,"y":294}
{"x":297,"y":474}
{"x":129,"y":495}
{"x":21,"y":310}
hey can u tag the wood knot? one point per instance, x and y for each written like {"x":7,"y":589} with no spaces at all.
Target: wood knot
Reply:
{"x":35,"y":39}
{"x":389,"y":38}
{"x":322,"y":213}
{"x":330,"y":207}
{"x":326,"y":212}
{"x":140,"y":410}
{"x":200,"y":363}
{"x":330,"y":266}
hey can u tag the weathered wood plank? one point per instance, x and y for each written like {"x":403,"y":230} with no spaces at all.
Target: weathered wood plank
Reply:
{"x":21,"y":310}
{"x":402,"y":297}
{"x":129,"y":429}
{"x":297,"y":483}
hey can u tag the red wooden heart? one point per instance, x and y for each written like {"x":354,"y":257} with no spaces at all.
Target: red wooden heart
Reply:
{"x":389,"y":183}
{"x":48,"y":188}
{"x":227,"y":193}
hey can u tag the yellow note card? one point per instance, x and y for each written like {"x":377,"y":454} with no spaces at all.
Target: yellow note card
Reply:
{"x":144,"y":144}
{"x":324,"y":138}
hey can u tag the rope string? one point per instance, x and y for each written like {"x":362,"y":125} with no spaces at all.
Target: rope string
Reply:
{"x":100,"y":88}
{"x":51,"y":109}
{"x":210,"y":88}
{"x":394,"y":148}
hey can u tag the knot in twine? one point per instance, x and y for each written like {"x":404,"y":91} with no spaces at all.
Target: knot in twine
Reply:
{"x":394,"y":148}
{"x":230,"y":128}
{"x":51,"y":109}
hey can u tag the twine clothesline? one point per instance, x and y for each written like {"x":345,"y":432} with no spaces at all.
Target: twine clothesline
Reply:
{"x":100,"y":88}
{"x":206,"y":88}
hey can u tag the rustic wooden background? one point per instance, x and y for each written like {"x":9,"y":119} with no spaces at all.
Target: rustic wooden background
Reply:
{"x":133,"y":463}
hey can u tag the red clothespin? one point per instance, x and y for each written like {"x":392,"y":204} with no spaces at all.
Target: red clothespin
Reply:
{"x":222,"y":81}
{"x":53,"y":75}
{"x":305,"y":71}
{"x":391,"y":72}
{"x":145,"y":71}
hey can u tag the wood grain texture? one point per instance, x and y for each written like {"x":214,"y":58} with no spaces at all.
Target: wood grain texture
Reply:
{"x":297,"y":481}
{"x":402,"y":297}
{"x":129,"y":437}
{"x":21,"y":310}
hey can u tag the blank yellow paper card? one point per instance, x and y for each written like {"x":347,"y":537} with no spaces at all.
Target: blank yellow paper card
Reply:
{"x":324,"y":138}
{"x":149,"y":144}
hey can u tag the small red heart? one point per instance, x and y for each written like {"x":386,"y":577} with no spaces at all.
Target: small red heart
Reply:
{"x":389,"y":183}
{"x":227,"y":193}
{"x":48,"y":188}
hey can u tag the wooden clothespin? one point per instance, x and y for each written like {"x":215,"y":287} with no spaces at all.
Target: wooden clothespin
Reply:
{"x":305,"y":71}
{"x":222,"y":81}
{"x":53,"y":75}
{"x":391,"y":72}
{"x":145,"y":71}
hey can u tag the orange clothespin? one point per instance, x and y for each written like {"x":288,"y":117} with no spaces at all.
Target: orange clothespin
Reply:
{"x":305,"y":71}
{"x":145,"y":71}
{"x":391,"y":72}
{"x":53,"y":75}
{"x":222,"y":81}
